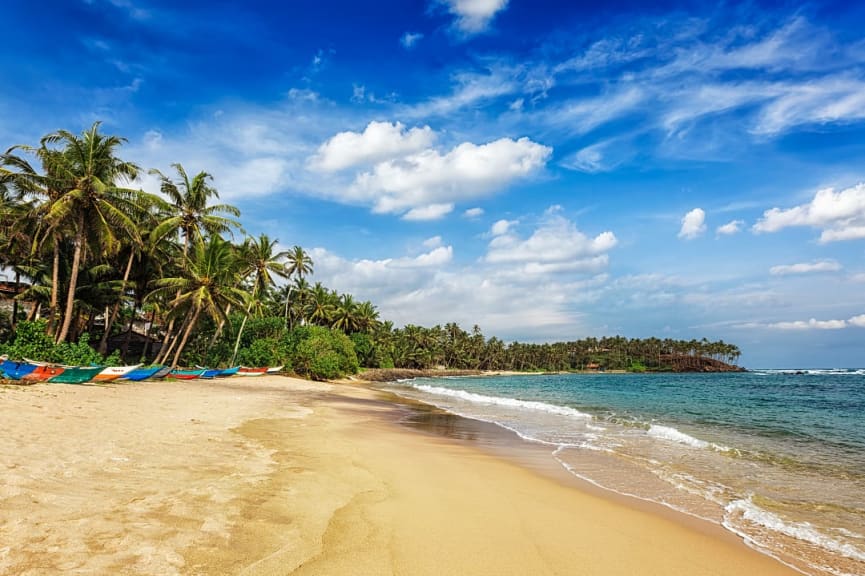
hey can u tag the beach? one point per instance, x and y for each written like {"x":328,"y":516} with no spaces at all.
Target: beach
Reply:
{"x":276,"y":475}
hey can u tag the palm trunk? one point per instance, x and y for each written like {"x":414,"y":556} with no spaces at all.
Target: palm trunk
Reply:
{"x":218,"y":332}
{"x":109,"y":322}
{"x":73,"y":281}
{"x":15,"y":300}
{"x":55,"y":286}
{"x":175,"y":339}
{"x":165,"y":341}
{"x":34,"y":313}
{"x":239,"y":335}
{"x":186,"y":334}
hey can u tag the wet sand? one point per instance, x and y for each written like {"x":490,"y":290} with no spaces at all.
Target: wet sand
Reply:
{"x":275,"y":475}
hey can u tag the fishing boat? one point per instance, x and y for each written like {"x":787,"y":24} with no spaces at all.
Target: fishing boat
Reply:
{"x":161,"y":373}
{"x":226,"y":372}
{"x":114,"y":372}
{"x":275,"y":369}
{"x":144,"y":373}
{"x":185,"y":374}
{"x":76,"y":375}
{"x":209,"y":373}
{"x":246,"y":371}
{"x":43,"y":373}
{"x":16,"y":370}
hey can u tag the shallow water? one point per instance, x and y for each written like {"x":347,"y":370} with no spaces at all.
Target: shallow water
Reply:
{"x":775,"y":456}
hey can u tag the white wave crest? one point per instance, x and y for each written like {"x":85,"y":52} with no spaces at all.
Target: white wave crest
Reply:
{"x":506,"y":402}
{"x":799,"y":530}
{"x":671,"y":434}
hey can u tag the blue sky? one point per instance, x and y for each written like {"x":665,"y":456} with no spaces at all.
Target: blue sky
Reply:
{"x":546,"y":170}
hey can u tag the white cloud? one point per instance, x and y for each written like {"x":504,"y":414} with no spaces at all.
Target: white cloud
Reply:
{"x":430,"y":212}
{"x":473,"y":16}
{"x":805,"y":268}
{"x":812,"y":324}
{"x":409,"y":39}
{"x":379,"y":141}
{"x":693,"y":224}
{"x":841,"y":215}
{"x":433,"y":242}
{"x":556,"y":245}
{"x":501,"y":227}
{"x":473,"y":212}
{"x":730,"y":228}
{"x":429,"y":178}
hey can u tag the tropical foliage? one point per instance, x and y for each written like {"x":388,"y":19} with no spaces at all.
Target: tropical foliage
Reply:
{"x":162,"y":278}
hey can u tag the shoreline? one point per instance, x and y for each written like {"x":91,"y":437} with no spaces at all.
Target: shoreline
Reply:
{"x":286,"y":476}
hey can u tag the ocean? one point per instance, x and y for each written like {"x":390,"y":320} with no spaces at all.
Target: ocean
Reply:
{"x":775,"y":456}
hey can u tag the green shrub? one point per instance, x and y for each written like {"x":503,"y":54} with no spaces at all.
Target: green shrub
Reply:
{"x":264,"y":352}
{"x":320,"y":353}
{"x":32,"y":342}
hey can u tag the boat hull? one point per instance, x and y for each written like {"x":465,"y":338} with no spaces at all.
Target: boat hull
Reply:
{"x":16,"y":370}
{"x":142,"y":373}
{"x":43,"y":373}
{"x":186,"y":374}
{"x":75,"y":375}
{"x":114,"y":372}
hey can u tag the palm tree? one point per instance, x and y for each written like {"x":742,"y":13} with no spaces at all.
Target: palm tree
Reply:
{"x":189,"y":214}
{"x":299,"y":263}
{"x":209,"y":283}
{"x":188,"y":210}
{"x":91,"y":202}
{"x":259,"y":261}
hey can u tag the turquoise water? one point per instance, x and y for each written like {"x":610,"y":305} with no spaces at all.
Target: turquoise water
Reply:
{"x":775,"y":456}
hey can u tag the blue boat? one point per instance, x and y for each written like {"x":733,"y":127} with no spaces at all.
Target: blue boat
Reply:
{"x":142,"y":373}
{"x":228,"y":372}
{"x":16,"y":370}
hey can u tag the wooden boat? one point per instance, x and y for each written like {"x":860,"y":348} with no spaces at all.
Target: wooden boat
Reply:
{"x":144,"y":373}
{"x":226,"y":372}
{"x":16,"y":370}
{"x":161,"y":373}
{"x":185,"y":374}
{"x":76,"y":375}
{"x":246,"y":371}
{"x":43,"y":373}
{"x":275,"y":369}
{"x":210,"y":373}
{"x":114,"y":372}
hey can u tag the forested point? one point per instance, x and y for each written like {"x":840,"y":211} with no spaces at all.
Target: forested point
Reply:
{"x":99,"y":272}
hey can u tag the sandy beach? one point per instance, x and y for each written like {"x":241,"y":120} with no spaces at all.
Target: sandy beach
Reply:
{"x":275,"y":475}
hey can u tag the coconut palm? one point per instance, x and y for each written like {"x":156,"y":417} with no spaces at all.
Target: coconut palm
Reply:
{"x":258,"y":260}
{"x":188,"y":209}
{"x":299,"y":264}
{"x":209,"y":283}
{"x":91,"y":203}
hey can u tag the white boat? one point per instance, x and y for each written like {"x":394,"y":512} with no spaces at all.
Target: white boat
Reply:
{"x":275,"y":369}
{"x":114,"y":372}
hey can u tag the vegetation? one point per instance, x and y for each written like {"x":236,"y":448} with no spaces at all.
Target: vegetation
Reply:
{"x":92,"y":255}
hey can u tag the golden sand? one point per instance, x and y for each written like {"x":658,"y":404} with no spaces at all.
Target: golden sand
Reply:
{"x":273,"y":476}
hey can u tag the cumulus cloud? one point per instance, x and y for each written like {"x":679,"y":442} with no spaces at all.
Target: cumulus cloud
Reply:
{"x":805,"y":268}
{"x":812,"y":324}
{"x":730,"y":228}
{"x":473,"y":16}
{"x":840,"y":215}
{"x":501,"y":227}
{"x":428,"y":181}
{"x":409,"y":39}
{"x":473,"y":212}
{"x":693,"y":224}
{"x":429,"y":212}
{"x":429,"y":289}
{"x":556,"y":245}
{"x":379,"y":141}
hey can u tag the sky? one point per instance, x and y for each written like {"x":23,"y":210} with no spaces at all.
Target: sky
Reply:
{"x":547,"y":170}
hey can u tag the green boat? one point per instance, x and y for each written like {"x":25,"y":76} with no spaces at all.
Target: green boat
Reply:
{"x":76,"y":375}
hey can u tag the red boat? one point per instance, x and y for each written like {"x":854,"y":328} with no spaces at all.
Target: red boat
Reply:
{"x":42,"y":373}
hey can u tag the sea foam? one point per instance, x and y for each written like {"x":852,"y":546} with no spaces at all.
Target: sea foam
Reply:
{"x":503,"y":401}
{"x":799,"y":530}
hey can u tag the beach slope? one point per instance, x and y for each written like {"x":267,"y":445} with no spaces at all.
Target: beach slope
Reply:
{"x":283,"y":476}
